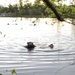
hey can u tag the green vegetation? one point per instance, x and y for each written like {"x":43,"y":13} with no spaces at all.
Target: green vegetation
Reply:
{"x":38,"y":9}
{"x":13,"y":71}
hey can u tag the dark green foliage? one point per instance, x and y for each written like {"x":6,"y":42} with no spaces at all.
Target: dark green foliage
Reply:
{"x":38,"y":9}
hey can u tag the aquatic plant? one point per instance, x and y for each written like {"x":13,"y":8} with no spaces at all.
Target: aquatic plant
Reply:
{"x":13,"y":71}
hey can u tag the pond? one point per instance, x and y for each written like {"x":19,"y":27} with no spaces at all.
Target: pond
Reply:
{"x":16,"y":32}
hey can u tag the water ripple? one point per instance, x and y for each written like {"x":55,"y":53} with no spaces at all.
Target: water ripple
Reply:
{"x":42,"y":60}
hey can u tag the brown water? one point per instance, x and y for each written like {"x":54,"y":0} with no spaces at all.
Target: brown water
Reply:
{"x":16,"y":32}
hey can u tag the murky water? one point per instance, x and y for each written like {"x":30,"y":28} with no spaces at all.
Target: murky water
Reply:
{"x":16,"y":32}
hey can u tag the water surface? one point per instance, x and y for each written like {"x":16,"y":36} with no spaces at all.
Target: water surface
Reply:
{"x":16,"y":32}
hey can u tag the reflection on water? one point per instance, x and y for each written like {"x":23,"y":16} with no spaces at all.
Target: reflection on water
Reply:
{"x":16,"y":32}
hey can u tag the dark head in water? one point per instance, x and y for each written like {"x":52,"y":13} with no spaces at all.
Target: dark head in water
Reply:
{"x":51,"y":46}
{"x":30,"y":46}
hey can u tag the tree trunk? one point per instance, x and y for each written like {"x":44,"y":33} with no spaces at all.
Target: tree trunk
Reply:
{"x":50,"y":5}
